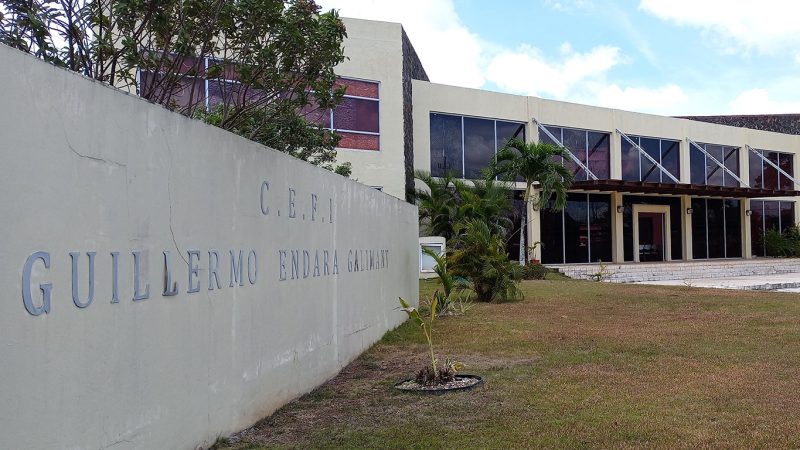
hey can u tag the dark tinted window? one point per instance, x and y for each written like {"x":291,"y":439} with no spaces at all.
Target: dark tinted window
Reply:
{"x":599,"y":227}
{"x":552,"y":236}
{"x":446,"y":145}
{"x":599,"y":154}
{"x":733,"y":229}
{"x":591,"y":148}
{"x":479,"y":144}
{"x":637,"y":167}
{"x":699,"y":237}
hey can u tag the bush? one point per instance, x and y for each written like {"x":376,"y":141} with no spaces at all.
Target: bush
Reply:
{"x":534,"y":271}
{"x":480,"y":256}
{"x":785,"y":244}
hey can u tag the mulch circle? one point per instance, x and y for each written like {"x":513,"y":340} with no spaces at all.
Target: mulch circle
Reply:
{"x":461,"y":383}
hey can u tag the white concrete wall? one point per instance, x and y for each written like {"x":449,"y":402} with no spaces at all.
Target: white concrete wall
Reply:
{"x":86,"y":168}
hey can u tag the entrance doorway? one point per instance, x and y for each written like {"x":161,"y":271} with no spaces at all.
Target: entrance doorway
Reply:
{"x":651,"y":233}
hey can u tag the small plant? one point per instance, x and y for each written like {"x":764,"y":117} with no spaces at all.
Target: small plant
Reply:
{"x":534,"y":271}
{"x":602,"y":272}
{"x":430,"y":375}
{"x":531,"y":252}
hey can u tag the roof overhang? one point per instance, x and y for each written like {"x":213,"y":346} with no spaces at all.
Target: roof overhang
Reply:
{"x":700,"y":190}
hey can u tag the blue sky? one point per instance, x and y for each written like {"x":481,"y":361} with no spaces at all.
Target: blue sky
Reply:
{"x":661,"y":56}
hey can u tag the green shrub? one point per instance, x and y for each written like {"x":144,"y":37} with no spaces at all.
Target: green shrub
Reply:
{"x":534,"y":271}
{"x":479,"y":255}
{"x":785,"y":244}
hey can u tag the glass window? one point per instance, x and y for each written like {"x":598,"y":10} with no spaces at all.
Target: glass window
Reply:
{"x":697,"y":166}
{"x":356,"y":114}
{"x":705,"y":171}
{"x":592,"y":148}
{"x":479,"y":143}
{"x":599,"y":228}
{"x":757,"y":226}
{"x":765,"y":175}
{"x":770,"y":172}
{"x":576,"y":229}
{"x":786,"y":163}
{"x":650,"y":172}
{"x":714,"y":173}
{"x":731,"y":162}
{"x":552,"y":240}
{"x":787,"y":215}
{"x":716,"y":228}
{"x":581,"y":232}
{"x":699,"y":229}
{"x":637,"y":167}
{"x":446,"y":145}
{"x":733,"y":229}
{"x":575,"y":141}
{"x":599,"y":148}
{"x":756,"y":170}
{"x":670,"y":159}
{"x":466,"y":145}
{"x":630,"y":162}
{"x":509,"y":130}
{"x":715,"y":209}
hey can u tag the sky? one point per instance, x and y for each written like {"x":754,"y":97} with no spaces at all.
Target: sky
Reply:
{"x":671,"y":57}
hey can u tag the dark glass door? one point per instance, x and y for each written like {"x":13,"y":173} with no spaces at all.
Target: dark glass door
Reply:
{"x":651,"y":236}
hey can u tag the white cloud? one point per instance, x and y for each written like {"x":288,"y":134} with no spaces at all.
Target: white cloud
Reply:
{"x":568,"y":5}
{"x":759,"y":101}
{"x":663,"y":100}
{"x":527,"y":71}
{"x":767,"y":26}
{"x":449,"y":51}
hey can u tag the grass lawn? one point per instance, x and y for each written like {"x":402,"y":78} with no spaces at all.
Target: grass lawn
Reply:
{"x":575,"y":364}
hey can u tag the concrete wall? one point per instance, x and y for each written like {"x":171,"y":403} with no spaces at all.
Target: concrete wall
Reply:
{"x":89,"y":170}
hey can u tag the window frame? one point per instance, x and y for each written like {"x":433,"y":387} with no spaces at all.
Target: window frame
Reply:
{"x":463,"y":149}
{"x":587,"y":163}
{"x":706,"y":160}
{"x":638,"y":140}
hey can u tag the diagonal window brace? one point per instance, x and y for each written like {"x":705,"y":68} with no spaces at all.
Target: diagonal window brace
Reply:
{"x":717,"y":162}
{"x":650,"y":158}
{"x":560,"y":144}
{"x":781,"y":171}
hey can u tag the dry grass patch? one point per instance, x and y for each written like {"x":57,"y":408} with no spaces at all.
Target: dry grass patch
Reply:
{"x":576,"y":364}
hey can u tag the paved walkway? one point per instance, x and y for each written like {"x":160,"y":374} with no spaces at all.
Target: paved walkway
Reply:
{"x":784,"y":282}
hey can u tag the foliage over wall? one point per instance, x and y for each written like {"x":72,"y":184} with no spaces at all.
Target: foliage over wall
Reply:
{"x":270,"y":61}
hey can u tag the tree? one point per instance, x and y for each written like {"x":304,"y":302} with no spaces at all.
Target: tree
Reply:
{"x":536,"y":163}
{"x":258,"y":68}
{"x":447,"y":201}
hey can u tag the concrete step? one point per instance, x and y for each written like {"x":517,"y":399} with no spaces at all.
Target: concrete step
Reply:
{"x":680,"y":270}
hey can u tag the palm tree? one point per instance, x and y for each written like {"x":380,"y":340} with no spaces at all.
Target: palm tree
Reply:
{"x":536,"y":163}
{"x":437,"y":204}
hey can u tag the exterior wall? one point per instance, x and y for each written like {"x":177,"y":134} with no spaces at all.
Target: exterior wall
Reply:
{"x":87,"y":168}
{"x":375,"y":52}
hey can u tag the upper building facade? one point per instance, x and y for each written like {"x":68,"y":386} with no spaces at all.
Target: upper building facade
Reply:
{"x":647,"y":187}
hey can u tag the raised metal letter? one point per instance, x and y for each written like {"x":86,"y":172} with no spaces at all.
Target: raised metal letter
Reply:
{"x":75,"y":297}
{"x":26,"y":285}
